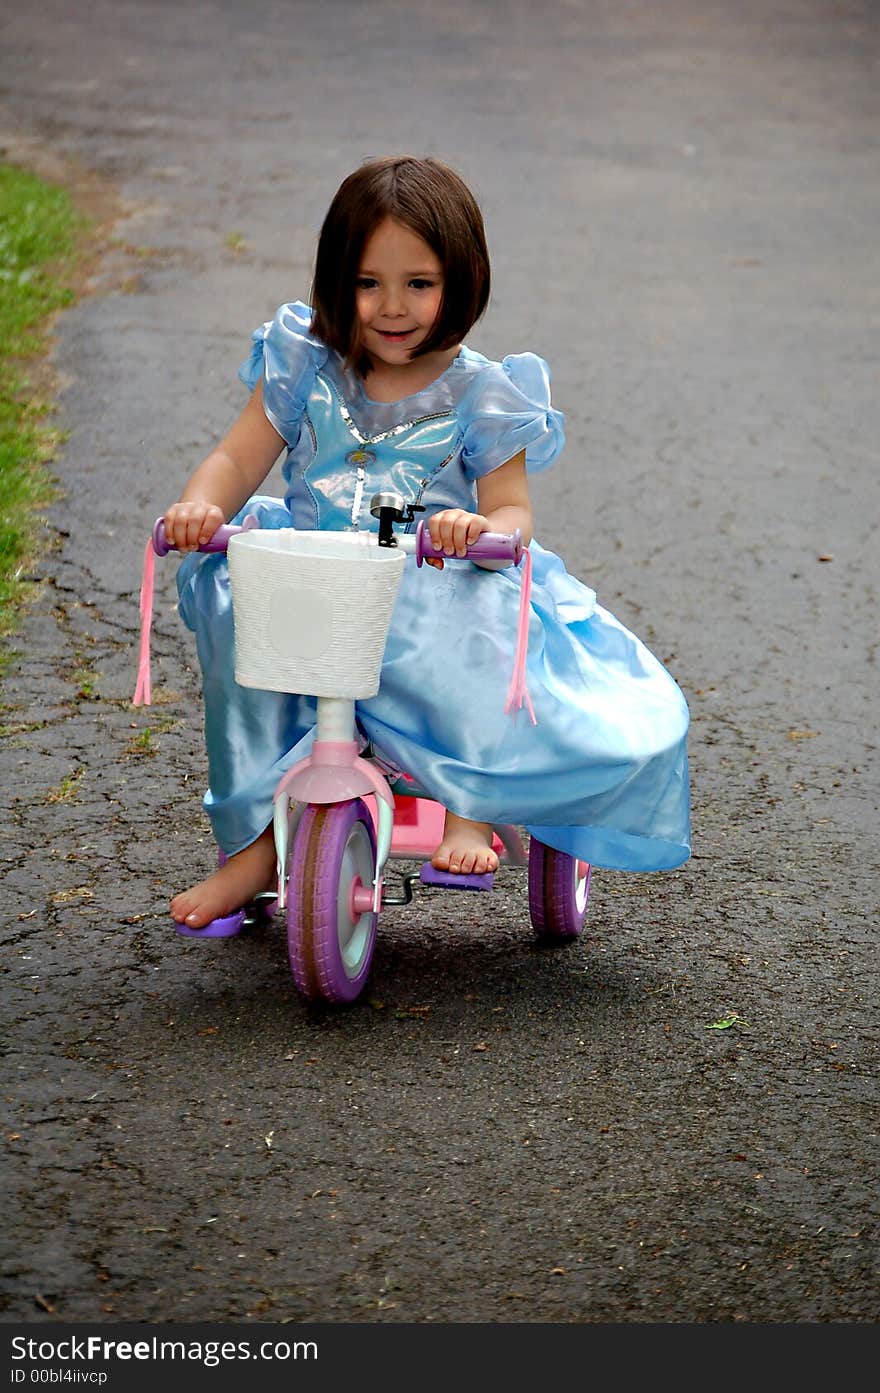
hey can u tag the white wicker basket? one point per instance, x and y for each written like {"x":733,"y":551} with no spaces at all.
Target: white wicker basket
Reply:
{"x":312,"y":610}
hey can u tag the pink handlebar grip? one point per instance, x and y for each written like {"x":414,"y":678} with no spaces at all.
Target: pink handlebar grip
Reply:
{"x":489,"y":546}
{"x":219,"y":541}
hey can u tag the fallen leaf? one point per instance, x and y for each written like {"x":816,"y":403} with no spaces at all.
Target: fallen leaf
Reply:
{"x":80,"y":892}
{"x":482,"y":1046}
{"x":727,"y":1021}
{"x":802,"y":734}
{"x":825,"y":556}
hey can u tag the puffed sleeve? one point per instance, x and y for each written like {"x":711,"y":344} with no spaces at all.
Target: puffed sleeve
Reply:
{"x":285,"y":357}
{"x":507,"y":409}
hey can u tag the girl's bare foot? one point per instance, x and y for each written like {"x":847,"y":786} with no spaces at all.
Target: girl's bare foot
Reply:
{"x":231,"y":886}
{"x":466,"y":848}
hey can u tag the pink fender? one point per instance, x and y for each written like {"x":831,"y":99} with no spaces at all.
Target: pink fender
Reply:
{"x":333,"y":772}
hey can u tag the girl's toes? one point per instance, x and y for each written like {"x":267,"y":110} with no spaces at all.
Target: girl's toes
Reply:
{"x":181,"y":906}
{"x":186,"y":908}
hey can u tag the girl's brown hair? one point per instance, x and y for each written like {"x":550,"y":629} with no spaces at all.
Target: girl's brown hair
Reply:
{"x":435,"y":203}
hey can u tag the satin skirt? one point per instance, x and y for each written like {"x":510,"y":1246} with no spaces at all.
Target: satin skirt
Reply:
{"x":603,"y":775}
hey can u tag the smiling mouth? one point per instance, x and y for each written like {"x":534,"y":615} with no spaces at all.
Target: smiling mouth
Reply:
{"x":395,"y":335}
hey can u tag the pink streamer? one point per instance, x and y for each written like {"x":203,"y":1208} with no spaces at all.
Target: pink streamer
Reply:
{"x":518,"y":692}
{"x":142,"y":693}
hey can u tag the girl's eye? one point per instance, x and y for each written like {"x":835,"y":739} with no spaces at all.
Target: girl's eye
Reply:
{"x":366,"y":283}
{"x":419,"y":284}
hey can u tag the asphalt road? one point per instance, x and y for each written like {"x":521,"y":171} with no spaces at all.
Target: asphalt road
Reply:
{"x":682,"y":204}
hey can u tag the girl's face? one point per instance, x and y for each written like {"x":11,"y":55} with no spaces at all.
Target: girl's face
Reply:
{"x":398,"y":293}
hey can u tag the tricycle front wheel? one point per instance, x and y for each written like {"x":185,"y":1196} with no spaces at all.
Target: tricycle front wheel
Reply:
{"x":559,"y":887}
{"x":330,"y":938}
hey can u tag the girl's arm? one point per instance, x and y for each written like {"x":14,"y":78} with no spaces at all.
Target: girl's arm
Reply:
{"x":504,"y":504}
{"x":226,"y":479}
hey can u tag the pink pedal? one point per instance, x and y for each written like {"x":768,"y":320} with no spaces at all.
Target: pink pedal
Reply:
{"x":259,"y":911}
{"x":429,"y":875}
{"x":218,"y":928}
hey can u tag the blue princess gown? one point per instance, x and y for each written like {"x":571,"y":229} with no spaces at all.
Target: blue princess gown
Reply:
{"x":603,"y":775}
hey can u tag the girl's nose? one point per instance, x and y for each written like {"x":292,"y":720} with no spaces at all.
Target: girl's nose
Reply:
{"x":392,"y":302}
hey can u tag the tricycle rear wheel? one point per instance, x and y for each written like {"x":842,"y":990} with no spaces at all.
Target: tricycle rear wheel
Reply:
{"x":559,"y":887}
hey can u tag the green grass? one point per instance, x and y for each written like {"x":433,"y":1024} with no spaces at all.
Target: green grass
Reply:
{"x":39,"y":230}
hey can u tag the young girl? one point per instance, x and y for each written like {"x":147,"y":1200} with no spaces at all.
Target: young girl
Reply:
{"x":372,"y":388}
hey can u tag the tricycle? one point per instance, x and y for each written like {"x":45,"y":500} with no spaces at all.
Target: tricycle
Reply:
{"x":311,"y":613}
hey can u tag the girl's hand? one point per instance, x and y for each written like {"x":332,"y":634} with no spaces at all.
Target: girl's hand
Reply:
{"x":452,"y":530}
{"x":189,"y":526}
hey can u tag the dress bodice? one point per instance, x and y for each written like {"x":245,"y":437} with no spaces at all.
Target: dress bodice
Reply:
{"x":331,"y":483}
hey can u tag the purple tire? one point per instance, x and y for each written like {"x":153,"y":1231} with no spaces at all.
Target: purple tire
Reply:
{"x":329,"y":944}
{"x":559,"y":887}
